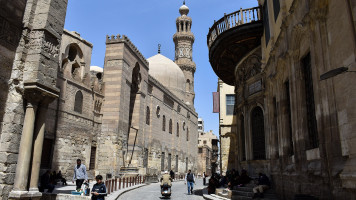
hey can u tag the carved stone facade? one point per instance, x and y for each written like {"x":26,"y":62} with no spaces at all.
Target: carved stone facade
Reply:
{"x":56,"y":108}
{"x":291,"y":124}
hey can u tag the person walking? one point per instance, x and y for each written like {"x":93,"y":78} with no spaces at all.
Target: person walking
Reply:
{"x":172,"y":174}
{"x":204,"y":178}
{"x":80,"y":174}
{"x":190,"y":180}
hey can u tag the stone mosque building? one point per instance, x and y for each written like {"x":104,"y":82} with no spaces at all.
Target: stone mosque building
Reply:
{"x":136,"y":115}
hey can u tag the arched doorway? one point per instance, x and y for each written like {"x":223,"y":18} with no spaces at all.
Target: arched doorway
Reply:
{"x":258,"y":134}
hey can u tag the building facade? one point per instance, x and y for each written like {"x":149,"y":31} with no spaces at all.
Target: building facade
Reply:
{"x":227,"y":126}
{"x":135,"y":115}
{"x":292,"y":123}
{"x":207,"y":150}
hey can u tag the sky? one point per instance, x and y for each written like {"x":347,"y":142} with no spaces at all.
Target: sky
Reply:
{"x":151,"y":22}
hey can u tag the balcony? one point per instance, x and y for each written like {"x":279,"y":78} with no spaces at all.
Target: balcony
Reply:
{"x":231,"y":38}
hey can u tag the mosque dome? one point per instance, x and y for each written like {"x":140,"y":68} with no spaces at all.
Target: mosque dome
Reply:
{"x":168,"y":74}
{"x":96,"y":69}
{"x":184,"y":10}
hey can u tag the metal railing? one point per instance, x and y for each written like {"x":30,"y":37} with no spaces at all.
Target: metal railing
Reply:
{"x":237,"y":18}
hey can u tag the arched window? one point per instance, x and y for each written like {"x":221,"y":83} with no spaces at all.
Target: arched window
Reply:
{"x":164,"y":123}
{"x":170,"y":126}
{"x":187,"y":85}
{"x":177,"y":129}
{"x":148,"y":115}
{"x":187,"y":134}
{"x":78,"y":102}
{"x":258,"y":134}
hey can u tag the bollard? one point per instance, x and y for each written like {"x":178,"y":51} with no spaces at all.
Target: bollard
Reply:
{"x":115,"y":184}
{"x":143,"y":181}
{"x":112,"y":185}
{"x":119,"y":183}
{"x":130,"y":181}
{"x":140,"y":180}
{"x":127,"y":182}
{"x":108,"y":186}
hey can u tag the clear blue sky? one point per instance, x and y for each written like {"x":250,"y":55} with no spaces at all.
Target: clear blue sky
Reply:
{"x":150,"y":22}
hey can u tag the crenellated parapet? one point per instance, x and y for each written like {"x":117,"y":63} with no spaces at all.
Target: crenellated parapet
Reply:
{"x":124,"y":39}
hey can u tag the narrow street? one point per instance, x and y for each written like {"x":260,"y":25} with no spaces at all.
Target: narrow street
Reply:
{"x":152,"y":191}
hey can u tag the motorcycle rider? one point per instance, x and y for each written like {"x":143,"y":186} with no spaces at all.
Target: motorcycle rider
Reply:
{"x":166,"y":179}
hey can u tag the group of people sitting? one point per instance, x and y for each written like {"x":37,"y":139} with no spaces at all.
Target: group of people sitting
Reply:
{"x":234,"y":179}
{"x":49,"y":180}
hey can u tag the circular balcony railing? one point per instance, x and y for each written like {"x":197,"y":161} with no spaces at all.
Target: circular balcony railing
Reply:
{"x":235,"y":19}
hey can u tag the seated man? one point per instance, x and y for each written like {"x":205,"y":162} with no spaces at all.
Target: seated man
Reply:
{"x":45,"y":182}
{"x":262,"y":185}
{"x":166,"y":179}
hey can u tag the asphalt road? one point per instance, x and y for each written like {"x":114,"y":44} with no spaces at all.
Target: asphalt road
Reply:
{"x":152,"y":191}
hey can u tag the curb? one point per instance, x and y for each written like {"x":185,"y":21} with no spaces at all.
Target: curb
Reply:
{"x":129,"y":189}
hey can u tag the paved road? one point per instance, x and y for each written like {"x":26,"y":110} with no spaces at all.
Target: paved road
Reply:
{"x":152,"y":191}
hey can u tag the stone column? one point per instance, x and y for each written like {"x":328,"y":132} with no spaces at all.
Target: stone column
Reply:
{"x":24,"y":158}
{"x":38,"y":144}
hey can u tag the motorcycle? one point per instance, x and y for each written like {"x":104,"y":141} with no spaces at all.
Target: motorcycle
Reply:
{"x":166,"y":190}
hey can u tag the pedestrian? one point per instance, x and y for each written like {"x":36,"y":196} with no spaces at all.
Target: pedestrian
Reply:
{"x":204,"y":178}
{"x":172,"y":174}
{"x":61,"y":178}
{"x":80,"y":174}
{"x":45,"y":182}
{"x":263,"y":184}
{"x":99,"y":189}
{"x":190,"y":180}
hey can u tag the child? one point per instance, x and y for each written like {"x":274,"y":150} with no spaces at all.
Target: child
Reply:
{"x":99,"y":189}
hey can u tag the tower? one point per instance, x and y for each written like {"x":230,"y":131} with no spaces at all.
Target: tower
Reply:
{"x":183,"y":40}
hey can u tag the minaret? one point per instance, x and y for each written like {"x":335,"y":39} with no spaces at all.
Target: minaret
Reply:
{"x":183,"y":40}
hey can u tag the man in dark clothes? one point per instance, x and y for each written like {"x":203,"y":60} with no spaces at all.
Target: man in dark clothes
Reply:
{"x":262,"y":185}
{"x":46,"y":183}
{"x":172,"y":174}
{"x":243,"y":179}
{"x":99,"y":189}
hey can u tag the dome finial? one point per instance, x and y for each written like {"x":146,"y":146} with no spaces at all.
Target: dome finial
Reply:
{"x":184,"y":2}
{"x":159,"y":48}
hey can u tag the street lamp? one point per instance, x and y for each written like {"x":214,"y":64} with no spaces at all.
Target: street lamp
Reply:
{"x":334,"y":72}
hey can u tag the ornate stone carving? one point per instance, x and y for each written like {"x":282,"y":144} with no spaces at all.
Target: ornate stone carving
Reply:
{"x":39,"y":41}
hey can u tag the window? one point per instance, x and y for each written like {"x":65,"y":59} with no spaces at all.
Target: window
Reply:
{"x":289,"y":125}
{"x":169,"y":161}
{"x":258,"y":134}
{"x":266,"y":22}
{"x":92,"y":158}
{"x":145,"y":159}
{"x":177,"y":129}
{"x":230,"y":102}
{"x":186,"y":164}
{"x":242,"y":126}
{"x":187,"y":134}
{"x":162,"y":161}
{"x":204,"y":142}
{"x":276,"y":9}
{"x":164,"y":123}
{"x":309,"y":95}
{"x":170,"y":126}
{"x":187,"y":85}
{"x":148,"y":112}
{"x":78,"y":102}
{"x":177,"y":163}
{"x":200,"y":150}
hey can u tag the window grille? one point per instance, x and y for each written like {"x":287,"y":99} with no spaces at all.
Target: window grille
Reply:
{"x":92,"y":158}
{"x":177,"y":129}
{"x":230,"y":102}
{"x":169,"y":161}
{"x":162,"y":161}
{"x":177,"y":163}
{"x":170,"y":126}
